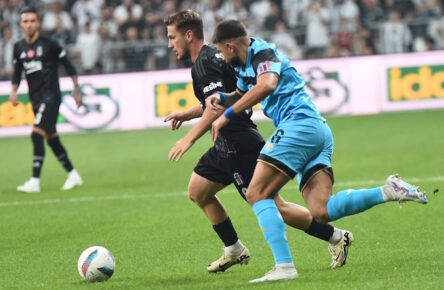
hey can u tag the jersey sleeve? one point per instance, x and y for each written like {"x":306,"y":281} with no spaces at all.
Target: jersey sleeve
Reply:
{"x":266,"y":61}
{"x":17,"y":75}
{"x":60,"y":52}
{"x":210,"y":79}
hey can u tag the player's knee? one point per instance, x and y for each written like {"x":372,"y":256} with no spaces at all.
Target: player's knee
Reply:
{"x":197,"y":196}
{"x":320,"y":215}
{"x":253,"y":196}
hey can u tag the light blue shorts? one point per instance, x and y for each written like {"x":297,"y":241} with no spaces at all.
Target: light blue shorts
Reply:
{"x":298,"y":146}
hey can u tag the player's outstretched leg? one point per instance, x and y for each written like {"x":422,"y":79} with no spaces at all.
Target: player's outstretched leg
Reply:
{"x":351,"y":201}
{"x":74,"y":179}
{"x":33,"y":184}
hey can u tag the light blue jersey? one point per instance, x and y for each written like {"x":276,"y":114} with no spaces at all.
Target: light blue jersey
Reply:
{"x":289,"y":98}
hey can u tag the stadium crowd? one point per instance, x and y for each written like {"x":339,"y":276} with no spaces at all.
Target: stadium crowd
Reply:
{"x":106,"y":36}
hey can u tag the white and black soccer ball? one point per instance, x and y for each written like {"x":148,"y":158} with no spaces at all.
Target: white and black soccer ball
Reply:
{"x":96,"y":264}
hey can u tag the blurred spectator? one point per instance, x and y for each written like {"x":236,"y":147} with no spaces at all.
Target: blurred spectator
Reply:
{"x":286,"y":42}
{"x":395,"y":35}
{"x":292,"y":10}
{"x":317,"y":17}
{"x":57,"y":23}
{"x":259,"y":11}
{"x":6,"y":53}
{"x":107,"y":26}
{"x":232,"y":9}
{"x":85,"y":11}
{"x":88,"y":44}
{"x":436,"y":32}
{"x":159,"y":55}
{"x":335,"y":50}
{"x":134,"y":53}
{"x":344,"y":37}
{"x":363,"y":43}
{"x":372,"y":13}
{"x":128,"y":13}
{"x":346,"y":10}
{"x":273,"y":17}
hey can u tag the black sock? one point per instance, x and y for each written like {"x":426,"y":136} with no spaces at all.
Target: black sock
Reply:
{"x":60,"y":153}
{"x":39,"y":154}
{"x":320,"y":231}
{"x":226,"y":232}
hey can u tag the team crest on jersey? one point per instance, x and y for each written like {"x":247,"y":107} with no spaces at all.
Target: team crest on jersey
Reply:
{"x":39,"y":51}
{"x":264,"y":67}
{"x":31,"y":53}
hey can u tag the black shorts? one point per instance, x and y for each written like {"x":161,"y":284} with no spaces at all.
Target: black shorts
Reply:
{"x":235,"y":166}
{"x":46,"y":114}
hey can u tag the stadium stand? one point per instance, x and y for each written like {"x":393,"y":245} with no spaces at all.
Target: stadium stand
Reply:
{"x":108,"y":36}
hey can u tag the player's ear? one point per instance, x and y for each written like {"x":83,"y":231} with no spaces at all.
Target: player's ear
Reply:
{"x":230,"y":46}
{"x":189,"y":35}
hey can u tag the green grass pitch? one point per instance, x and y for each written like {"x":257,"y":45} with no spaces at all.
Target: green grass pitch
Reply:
{"x":134,"y":203}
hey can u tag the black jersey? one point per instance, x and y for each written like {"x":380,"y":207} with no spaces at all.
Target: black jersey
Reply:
{"x":212,"y":74}
{"x":39,"y":61}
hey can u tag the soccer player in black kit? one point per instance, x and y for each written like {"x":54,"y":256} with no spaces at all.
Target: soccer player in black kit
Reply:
{"x":38,"y":57}
{"x":233,"y":157}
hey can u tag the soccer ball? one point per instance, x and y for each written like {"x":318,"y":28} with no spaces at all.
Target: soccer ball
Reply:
{"x":96,"y":264}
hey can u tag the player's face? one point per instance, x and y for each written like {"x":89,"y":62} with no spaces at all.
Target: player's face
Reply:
{"x":230,"y":56}
{"x":178,"y":43}
{"x":29,"y":23}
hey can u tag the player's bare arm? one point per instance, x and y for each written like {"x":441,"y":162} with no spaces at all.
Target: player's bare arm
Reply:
{"x":177,"y":118}
{"x":198,"y":130}
{"x":77,"y":92}
{"x":266,"y":84}
{"x":13,"y":97}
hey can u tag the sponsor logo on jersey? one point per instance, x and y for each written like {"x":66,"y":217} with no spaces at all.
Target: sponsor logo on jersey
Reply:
{"x":238,"y":179}
{"x":31,"y":53}
{"x":39,"y":51}
{"x":32,"y":66}
{"x":23,"y":55}
{"x":219,"y":55}
{"x":416,"y":83}
{"x":212,"y":86}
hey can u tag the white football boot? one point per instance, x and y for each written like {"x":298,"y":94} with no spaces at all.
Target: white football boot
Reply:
{"x":339,"y":252}
{"x":30,"y":186}
{"x":279,"y":272}
{"x":226,"y":261}
{"x":73,"y":180}
{"x":398,"y":190}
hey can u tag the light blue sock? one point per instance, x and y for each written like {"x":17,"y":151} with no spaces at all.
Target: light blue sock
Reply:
{"x":351,"y":201}
{"x":273,"y":228}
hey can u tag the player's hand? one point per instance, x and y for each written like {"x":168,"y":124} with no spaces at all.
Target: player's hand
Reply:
{"x":179,"y":149}
{"x":217,"y":125}
{"x":213,"y":102}
{"x":78,"y":96}
{"x":176,"y":118}
{"x":14,"y":98}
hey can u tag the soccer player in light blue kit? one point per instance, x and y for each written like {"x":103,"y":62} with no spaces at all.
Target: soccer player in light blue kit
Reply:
{"x":301,"y":145}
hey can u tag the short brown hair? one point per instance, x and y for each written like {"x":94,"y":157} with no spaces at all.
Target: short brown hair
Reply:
{"x":186,"y":20}
{"x":228,"y":29}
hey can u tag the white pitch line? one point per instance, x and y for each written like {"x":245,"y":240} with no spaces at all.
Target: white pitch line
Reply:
{"x":175,"y":194}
